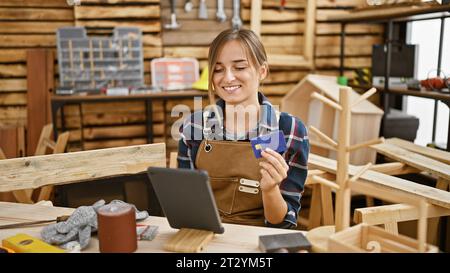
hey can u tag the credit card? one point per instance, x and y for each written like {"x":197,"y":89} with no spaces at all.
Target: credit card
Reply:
{"x":275,"y":141}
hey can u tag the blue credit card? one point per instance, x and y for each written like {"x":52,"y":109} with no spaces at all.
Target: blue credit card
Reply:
{"x":275,"y":141}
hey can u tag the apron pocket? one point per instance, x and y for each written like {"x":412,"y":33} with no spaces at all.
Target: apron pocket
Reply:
{"x":224,"y":189}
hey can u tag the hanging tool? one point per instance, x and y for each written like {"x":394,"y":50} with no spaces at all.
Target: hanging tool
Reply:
{"x":188,"y":6}
{"x":173,"y":17}
{"x":236,"y":21}
{"x":203,"y":10}
{"x":24,"y":224}
{"x":221,"y":16}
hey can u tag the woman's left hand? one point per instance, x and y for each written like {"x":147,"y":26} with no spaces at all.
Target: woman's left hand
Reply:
{"x":274,"y":169}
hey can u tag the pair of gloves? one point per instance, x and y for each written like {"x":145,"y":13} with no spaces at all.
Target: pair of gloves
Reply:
{"x":75,"y":233}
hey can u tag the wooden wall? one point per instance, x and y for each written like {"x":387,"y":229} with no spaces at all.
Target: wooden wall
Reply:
{"x":118,"y":124}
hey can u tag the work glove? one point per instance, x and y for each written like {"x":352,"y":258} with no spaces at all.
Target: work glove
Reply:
{"x":78,"y":228}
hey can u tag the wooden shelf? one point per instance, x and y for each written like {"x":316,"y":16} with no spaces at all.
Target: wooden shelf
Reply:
{"x":445,"y":97}
{"x":399,"y":13}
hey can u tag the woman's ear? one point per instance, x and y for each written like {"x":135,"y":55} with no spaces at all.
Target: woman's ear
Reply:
{"x":263,"y":71}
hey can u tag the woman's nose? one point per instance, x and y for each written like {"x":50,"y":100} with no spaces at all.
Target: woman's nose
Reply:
{"x":229,"y":75}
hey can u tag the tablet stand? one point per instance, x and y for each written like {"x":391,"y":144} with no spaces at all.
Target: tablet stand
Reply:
{"x":189,"y":240}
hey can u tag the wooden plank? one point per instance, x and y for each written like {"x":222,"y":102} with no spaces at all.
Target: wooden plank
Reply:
{"x":13,"y":70}
{"x":115,"y":2}
{"x":349,"y":41}
{"x":13,"y":113}
{"x":291,"y":4}
{"x":335,"y":28}
{"x":30,"y":40}
{"x":36,"y":14}
{"x":324,"y":14}
{"x":285,"y":76}
{"x":94,"y":145}
{"x":32,"y":27}
{"x":116,"y":12}
{"x":8,"y":142}
{"x":151,"y":40}
{"x":397,"y":212}
{"x":386,"y":182}
{"x":12,"y":55}
{"x":193,"y":15}
{"x":195,"y":24}
{"x":39,"y":82}
{"x":351,"y":62}
{"x":280,"y":41}
{"x":198,"y":52}
{"x":37,"y":171}
{"x":340,"y":3}
{"x":188,"y":38}
{"x":34,"y":3}
{"x":283,"y":28}
{"x":335,"y":51}
{"x":275,"y":15}
{"x":415,"y":160}
{"x":277,"y":89}
{"x":151,"y":52}
{"x":126,"y":131}
{"x":145,"y":26}
{"x":13,"y":99}
{"x":13,"y":85}
{"x":436,"y":154}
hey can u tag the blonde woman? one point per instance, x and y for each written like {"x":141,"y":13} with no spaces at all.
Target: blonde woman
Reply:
{"x":248,"y":190}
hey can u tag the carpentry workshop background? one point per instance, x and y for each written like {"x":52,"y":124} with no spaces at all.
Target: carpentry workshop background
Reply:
{"x":82,"y":82}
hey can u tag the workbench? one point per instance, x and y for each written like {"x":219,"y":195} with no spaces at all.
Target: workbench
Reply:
{"x":236,"y":238}
{"x":59,"y":101}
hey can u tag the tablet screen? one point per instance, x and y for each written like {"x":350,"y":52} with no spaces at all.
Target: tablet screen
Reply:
{"x":186,"y":198}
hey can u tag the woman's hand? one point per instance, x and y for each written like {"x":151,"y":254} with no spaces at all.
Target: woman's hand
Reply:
{"x":274,"y":169}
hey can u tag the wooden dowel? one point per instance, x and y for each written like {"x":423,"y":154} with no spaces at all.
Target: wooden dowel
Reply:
{"x":325,"y":182}
{"x":360,"y":172}
{"x":364,"y":96}
{"x":326,"y":101}
{"x":364,"y":144}
{"x":321,"y":144}
{"x":323,"y":136}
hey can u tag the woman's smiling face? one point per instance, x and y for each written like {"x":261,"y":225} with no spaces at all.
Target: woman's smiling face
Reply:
{"x":235,"y":79}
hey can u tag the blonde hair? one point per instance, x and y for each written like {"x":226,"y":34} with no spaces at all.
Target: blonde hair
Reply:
{"x":248,"y":39}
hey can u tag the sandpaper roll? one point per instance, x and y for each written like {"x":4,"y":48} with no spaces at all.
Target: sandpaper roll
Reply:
{"x":117,"y":228}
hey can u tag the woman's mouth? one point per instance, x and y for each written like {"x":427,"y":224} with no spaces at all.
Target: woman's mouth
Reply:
{"x":231,"y":89}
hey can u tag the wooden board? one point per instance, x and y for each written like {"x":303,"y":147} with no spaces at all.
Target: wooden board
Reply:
{"x":235,"y":239}
{"x":413,"y":159}
{"x":55,"y":169}
{"x":39,"y":83}
{"x":436,"y":154}
{"x":386,"y":182}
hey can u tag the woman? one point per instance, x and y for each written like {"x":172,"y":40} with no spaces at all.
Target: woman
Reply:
{"x":264,"y":191}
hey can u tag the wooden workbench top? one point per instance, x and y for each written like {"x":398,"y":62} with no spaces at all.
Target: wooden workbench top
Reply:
{"x":236,"y":238}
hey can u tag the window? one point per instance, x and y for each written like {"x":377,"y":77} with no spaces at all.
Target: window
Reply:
{"x":426,"y":35}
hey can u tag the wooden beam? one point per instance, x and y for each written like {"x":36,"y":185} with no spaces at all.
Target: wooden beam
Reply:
{"x":37,"y":171}
{"x":436,"y":154}
{"x":413,"y":159}
{"x":394,"y":168}
{"x":383,"y":181}
{"x":395,"y":213}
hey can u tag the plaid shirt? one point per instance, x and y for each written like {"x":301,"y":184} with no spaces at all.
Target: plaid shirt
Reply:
{"x":296,"y":155}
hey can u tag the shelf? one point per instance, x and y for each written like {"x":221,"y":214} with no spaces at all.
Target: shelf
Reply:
{"x":445,"y":97}
{"x":395,"y":13}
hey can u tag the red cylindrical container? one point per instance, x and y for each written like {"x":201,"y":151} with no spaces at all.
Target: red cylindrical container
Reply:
{"x":117,"y":228}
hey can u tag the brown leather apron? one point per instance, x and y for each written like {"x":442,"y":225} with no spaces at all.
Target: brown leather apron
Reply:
{"x":234,"y":174}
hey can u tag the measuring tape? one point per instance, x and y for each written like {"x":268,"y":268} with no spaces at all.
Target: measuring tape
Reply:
{"x":5,"y":250}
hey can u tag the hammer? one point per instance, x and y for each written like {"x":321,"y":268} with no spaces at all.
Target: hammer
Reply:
{"x":173,"y":17}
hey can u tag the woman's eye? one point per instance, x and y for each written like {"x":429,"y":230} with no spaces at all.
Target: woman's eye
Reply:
{"x":217,"y":70}
{"x":240,"y":68}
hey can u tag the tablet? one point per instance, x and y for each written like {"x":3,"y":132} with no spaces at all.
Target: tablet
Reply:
{"x":186,"y":198}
